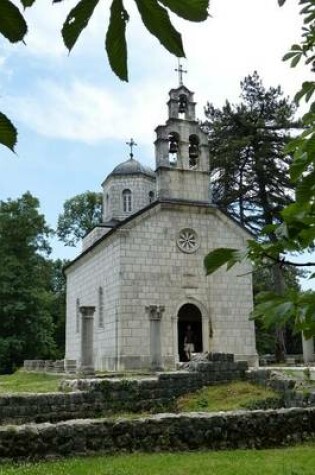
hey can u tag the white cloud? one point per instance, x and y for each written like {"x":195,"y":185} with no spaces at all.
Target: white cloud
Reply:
{"x":87,"y":113}
{"x":220,"y":52}
{"x":2,"y":61}
{"x":45,"y":20}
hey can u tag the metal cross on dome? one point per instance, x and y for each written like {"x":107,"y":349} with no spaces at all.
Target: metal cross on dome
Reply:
{"x":180,"y":71}
{"x":131,"y":144}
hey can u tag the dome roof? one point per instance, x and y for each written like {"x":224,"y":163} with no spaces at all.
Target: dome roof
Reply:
{"x":132,"y":167}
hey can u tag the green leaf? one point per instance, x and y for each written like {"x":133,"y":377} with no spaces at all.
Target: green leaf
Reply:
{"x":8,"y":133}
{"x":296,"y":47}
{"x":307,"y":236}
{"x":295,"y":60}
{"x":156,"y":19}
{"x":308,"y":88}
{"x":12,"y":24}
{"x":76,"y":21}
{"x":281,"y":2}
{"x":116,"y":45}
{"x":217,"y":258}
{"x":310,"y":18}
{"x":294,"y":213}
{"x":289,"y":55}
{"x":305,"y":189}
{"x":27,"y":3}
{"x":192,"y":10}
{"x":299,"y":165}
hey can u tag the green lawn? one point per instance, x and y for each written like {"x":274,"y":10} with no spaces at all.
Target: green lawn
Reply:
{"x":21,"y":382}
{"x":225,"y":397}
{"x":292,"y":461}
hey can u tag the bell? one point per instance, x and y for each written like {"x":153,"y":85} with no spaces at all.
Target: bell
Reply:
{"x":173,"y":146}
{"x":182,"y":104}
{"x":193,"y":151}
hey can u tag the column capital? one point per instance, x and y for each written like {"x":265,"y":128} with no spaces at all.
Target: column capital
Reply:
{"x":87,"y":311}
{"x":155,"y":312}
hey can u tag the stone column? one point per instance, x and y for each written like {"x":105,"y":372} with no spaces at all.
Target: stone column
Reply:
{"x":205,"y":334}
{"x":87,"y":333}
{"x":155,"y":315}
{"x":175,"y":338}
{"x":308,"y":349}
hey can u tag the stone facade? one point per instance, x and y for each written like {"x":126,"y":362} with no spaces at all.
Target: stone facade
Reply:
{"x":148,"y":256}
{"x":143,"y":192}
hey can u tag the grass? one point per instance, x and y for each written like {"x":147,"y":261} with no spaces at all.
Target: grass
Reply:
{"x":236,"y":395}
{"x":225,"y":397}
{"x":22,"y":382}
{"x":290,"y":461}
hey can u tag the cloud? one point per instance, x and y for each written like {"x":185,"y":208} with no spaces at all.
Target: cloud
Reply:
{"x":45,"y":20}
{"x":96,"y":106}
{"x":84,"y":112}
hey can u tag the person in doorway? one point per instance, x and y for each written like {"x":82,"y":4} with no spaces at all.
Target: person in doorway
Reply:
{"x":189,"y":343}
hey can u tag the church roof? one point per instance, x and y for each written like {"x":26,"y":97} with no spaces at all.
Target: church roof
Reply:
{"x":132,"y":167}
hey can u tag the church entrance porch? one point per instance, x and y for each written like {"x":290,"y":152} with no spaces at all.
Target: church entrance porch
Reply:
{"x":189,"y":330}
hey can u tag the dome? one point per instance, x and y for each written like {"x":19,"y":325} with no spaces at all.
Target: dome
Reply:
{"x":132,"y":167}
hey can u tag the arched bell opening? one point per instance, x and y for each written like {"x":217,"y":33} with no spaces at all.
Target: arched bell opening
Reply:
{"x":189,"y":330}
{"x":173,"y":144}
{"x":182,"y":106}
{"x":193,"y":150}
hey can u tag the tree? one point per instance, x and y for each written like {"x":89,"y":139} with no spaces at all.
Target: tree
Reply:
{"x":26,"y":327}
{"x":153,"y":13}
{"x":297,"y":232}
{"x":266,"y":328}
{"x":80,"y":215}
{"x":249,"y":166}
{"x":57,"y":309}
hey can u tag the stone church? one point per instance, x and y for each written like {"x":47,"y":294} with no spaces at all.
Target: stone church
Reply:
{"x":140,"y":281}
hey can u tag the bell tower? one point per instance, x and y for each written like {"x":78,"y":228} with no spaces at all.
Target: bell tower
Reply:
{"x":181,"y":150}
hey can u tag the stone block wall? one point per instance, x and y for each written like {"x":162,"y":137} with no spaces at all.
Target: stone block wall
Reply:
{"x":50,"y":366}
{"x":171,"y":432}
{"x":98,"y":269}
{"x":292,"y":394}
{"x":96,"y":397}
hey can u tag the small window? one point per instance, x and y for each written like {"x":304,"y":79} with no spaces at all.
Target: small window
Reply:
{"x":107,"y":204}
{"x":151,"y":196}
{"x":100,"y":307}
{"x":77,"y":316}
{"x":127,"y":201}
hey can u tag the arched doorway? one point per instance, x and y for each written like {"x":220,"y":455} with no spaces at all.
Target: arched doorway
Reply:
{"x":189,"y":314}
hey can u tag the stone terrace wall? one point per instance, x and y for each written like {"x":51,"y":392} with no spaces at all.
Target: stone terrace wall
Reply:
{"x":96,"y":397}
{"x":288,"y":388}
{"x":171,"y":432}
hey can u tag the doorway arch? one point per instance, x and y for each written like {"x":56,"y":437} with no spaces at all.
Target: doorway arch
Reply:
{"x":189,"y":314}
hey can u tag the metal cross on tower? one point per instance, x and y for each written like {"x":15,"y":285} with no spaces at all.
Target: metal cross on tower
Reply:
{"x":180,"y":71}
{"x":131,"y":144}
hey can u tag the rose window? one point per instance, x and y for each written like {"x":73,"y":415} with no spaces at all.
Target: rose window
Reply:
{"x":187,"y":240}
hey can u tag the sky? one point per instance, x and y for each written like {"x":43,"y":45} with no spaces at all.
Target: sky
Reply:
{"x":74,"y":115}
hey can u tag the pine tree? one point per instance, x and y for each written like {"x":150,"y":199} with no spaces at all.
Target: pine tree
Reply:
{"x":250,"y":168}
{"x":250,"y":176}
